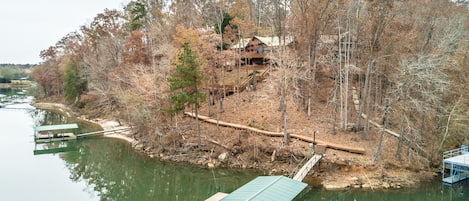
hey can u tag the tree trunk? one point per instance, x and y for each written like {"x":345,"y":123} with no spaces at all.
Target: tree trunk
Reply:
{"x":370,"y":66}
{"x":283,"y":105}
{"x":383,"y":130}
{"x":401,"y":135}
{"x":198,"y":125}
{"x":209,"y":102}
{"x":309,"y":88}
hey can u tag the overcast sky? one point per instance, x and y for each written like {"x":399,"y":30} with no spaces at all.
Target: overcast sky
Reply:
{"x":29,"y":26}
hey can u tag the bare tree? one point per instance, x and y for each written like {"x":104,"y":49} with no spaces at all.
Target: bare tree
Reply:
{"x":378,"y":15}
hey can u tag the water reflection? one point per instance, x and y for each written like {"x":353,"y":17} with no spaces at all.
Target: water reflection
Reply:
{"x":455,"y":192}
{"x":116,"y":172}
{"x":432,"y":191}
{"x":112,"y":170}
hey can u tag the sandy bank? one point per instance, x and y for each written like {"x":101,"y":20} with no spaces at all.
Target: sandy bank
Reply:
{"x":106,"y":124}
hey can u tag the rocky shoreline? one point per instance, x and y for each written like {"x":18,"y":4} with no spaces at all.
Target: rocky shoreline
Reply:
{"x":362,"y":178}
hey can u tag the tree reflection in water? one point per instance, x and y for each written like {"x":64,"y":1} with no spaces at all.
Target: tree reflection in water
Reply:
{"x":116,"y":172}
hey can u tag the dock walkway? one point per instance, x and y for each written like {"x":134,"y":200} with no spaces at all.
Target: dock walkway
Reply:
{"x":300,"y":175}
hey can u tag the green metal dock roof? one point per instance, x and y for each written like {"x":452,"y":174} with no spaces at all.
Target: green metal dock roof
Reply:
{"x":277,"y":188}
{"x":55,"y":127}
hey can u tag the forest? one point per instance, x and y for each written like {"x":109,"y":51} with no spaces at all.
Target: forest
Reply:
{"x":10,"y":72}
{"x":338,"y":66}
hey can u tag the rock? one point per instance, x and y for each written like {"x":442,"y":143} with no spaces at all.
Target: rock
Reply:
{"x":385,"y":185}
{"x":272,"y":158}
{"x":273,"y":171}
{"x":366,"y":185}
{"x":335,"y":185}
{"x":210,"y":165}
{"x":222,"y":156}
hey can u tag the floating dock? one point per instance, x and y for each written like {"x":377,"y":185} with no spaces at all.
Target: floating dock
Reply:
{"x":52,"y":133}
{"x":455,"y":165}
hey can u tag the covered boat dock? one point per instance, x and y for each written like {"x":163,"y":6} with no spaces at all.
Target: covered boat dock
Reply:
{"x":455,"y":165}
{"x":51,"y":133}
{"x":264,"y":188}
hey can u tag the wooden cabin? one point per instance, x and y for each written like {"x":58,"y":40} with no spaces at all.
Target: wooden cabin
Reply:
{"x":254,"y":50}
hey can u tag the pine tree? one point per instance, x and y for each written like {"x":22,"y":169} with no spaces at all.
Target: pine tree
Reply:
{"x":71,"y":82}
{"x":185,"y":82}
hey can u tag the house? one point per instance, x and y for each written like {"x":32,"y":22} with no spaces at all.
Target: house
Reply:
{"x":254,"y":50}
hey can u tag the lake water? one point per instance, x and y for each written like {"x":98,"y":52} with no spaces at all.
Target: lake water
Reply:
{"x":109,"y":169}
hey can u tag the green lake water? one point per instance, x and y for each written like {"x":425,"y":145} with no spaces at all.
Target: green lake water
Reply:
{"x":109,"y":169}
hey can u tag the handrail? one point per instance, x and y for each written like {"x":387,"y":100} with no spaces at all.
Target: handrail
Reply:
{"x":455,"y":152}
{"x":292,"y":173}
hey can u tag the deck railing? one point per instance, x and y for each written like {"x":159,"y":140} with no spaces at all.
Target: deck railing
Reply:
{"x":456,"y":152}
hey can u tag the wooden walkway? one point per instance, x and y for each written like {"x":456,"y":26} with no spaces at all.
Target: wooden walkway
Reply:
{"x":357,"y":150}
{"x":300,"y":175}
{"x":104,"y":132}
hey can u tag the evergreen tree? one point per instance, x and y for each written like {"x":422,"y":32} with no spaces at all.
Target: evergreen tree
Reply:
{"x":138,"y":14}
{"x":185,"y":82}
{"x":73,"y":84}
{"x":222,"y":23}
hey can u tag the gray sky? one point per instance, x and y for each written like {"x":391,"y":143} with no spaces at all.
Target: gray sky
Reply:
{"x":29,"y":26}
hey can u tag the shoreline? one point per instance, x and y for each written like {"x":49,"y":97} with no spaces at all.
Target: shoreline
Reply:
{"x":344,"y":181}
{"x":105,"y":124}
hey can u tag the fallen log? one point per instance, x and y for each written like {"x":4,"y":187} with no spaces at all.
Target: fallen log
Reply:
{"x":357,"y":150}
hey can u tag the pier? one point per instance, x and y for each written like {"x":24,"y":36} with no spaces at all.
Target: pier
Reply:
{"x":455,"y":166}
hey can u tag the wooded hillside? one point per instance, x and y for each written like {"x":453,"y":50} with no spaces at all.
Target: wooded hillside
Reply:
{"x":407,"y":60}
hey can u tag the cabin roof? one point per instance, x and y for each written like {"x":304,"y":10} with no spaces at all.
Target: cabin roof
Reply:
{"x":242,"y":43}
{"x":272,"y":41}
{"x":275,"y":41}
{"x":55,"y":127}
{"x":268,"y":188}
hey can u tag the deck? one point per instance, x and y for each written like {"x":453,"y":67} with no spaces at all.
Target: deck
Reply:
{"x":455,"y":165}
